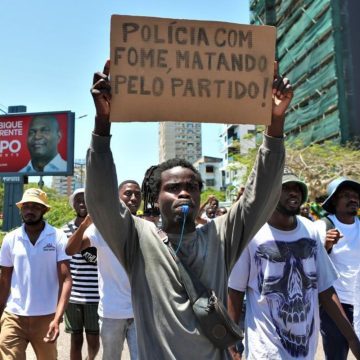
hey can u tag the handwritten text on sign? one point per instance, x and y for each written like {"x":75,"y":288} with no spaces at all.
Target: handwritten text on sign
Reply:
{"x":182,"y":70}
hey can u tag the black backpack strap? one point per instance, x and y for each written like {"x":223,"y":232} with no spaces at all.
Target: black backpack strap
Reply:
{"x":329,"y":225}
{"x":328,"y":222}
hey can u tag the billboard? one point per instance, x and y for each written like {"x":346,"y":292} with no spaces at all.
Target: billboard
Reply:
{"x":37,"y":144}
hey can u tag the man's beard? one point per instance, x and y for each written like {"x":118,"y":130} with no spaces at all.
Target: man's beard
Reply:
{"x":288,"y":212}
{"x":352,"y":212}
{"x":82,"y":214}
{"x":33,"y":221}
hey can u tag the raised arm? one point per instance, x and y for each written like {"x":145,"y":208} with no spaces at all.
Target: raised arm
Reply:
{"x":332,"y":237}
{"x":110,"y":216}
{"x":206,"y":202}
{"x":101,"y":93}
{"x":263,"y":188}
{"x":282,"y":95}
{"x":77,"y":241}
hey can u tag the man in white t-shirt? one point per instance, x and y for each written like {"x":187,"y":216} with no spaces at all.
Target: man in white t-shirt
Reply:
{"x":357,"y":304}
{"x":285,"y":272}
{"x":342,"y":242}
{"x":35,"y":282}
{"x":115,"y":307}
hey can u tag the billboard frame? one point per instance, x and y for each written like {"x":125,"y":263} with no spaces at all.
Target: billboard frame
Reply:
{"x":70,"y":127}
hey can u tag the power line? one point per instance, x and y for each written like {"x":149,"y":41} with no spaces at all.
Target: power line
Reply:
{"x":4,"y":106}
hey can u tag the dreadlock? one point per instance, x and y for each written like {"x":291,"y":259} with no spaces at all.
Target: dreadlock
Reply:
{"x":148,"y":197}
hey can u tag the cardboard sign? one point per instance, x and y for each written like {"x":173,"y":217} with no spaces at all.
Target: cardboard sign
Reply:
{"x":185,"y":70}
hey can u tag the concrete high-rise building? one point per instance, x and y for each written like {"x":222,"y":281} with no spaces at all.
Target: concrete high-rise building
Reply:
{"x":65,"y":185}
{"x":179,"y":140}
{"x":318,"y":50}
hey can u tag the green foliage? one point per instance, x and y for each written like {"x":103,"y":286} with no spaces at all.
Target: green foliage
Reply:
{"x":220,"y":195}
{"x":2,"y":234}
{"x":319,"y":164}
{"x":243,"y":161}
{"x":316,"y":164}
{"x":60,"y":212}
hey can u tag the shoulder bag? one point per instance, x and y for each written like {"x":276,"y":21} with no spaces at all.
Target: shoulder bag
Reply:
{"x":209,"y":310}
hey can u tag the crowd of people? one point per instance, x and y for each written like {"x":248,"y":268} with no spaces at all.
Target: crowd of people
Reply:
{"x":114,"y":275}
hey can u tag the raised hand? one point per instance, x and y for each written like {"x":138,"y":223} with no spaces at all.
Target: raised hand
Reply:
{"x":282,"y":94}
{"x":332,"y":238}
{"x":101,"y":93}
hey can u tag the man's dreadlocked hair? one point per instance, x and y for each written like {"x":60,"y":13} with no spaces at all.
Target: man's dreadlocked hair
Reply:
{"x":148,"y":197}
{"x":152,"y":181}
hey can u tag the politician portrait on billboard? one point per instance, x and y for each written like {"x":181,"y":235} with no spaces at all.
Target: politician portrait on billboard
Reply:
{"x":37,"y":144}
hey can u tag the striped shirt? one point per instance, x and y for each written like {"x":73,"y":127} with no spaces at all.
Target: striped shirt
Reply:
{"x":84,"y":272}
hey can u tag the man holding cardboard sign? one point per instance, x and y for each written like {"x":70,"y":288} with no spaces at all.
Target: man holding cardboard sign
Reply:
{"x":166,"y":324}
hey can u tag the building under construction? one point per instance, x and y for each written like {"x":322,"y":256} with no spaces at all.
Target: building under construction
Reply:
{"x":318,"y":50}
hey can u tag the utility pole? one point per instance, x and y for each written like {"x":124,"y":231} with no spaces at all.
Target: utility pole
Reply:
{"x":13,"y":190}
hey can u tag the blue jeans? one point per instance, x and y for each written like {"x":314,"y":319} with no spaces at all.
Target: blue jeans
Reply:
{"x":113,"y":333}
{"x":335,"y":345}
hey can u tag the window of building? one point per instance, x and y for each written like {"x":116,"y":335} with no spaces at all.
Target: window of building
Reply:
{"x":210,"y":182}
{"x":209,"y":169}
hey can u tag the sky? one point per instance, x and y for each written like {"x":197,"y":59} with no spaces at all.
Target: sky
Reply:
{"x":49,"y":51}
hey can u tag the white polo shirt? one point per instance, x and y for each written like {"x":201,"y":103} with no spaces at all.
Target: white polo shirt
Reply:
{"x":34,"y":282}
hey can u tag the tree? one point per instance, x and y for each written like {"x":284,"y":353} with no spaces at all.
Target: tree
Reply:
{"x":317,"y":164}
{"x":220,"y":195}
{"x":60,"y":212}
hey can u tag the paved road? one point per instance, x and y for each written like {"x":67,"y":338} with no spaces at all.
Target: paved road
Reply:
{"x":64,"y":347}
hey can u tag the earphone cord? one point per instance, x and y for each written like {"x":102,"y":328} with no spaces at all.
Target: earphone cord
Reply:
{"x":181,"y":235}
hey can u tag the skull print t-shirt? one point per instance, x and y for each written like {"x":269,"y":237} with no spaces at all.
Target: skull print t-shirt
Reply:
{"x":282,"y":273}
